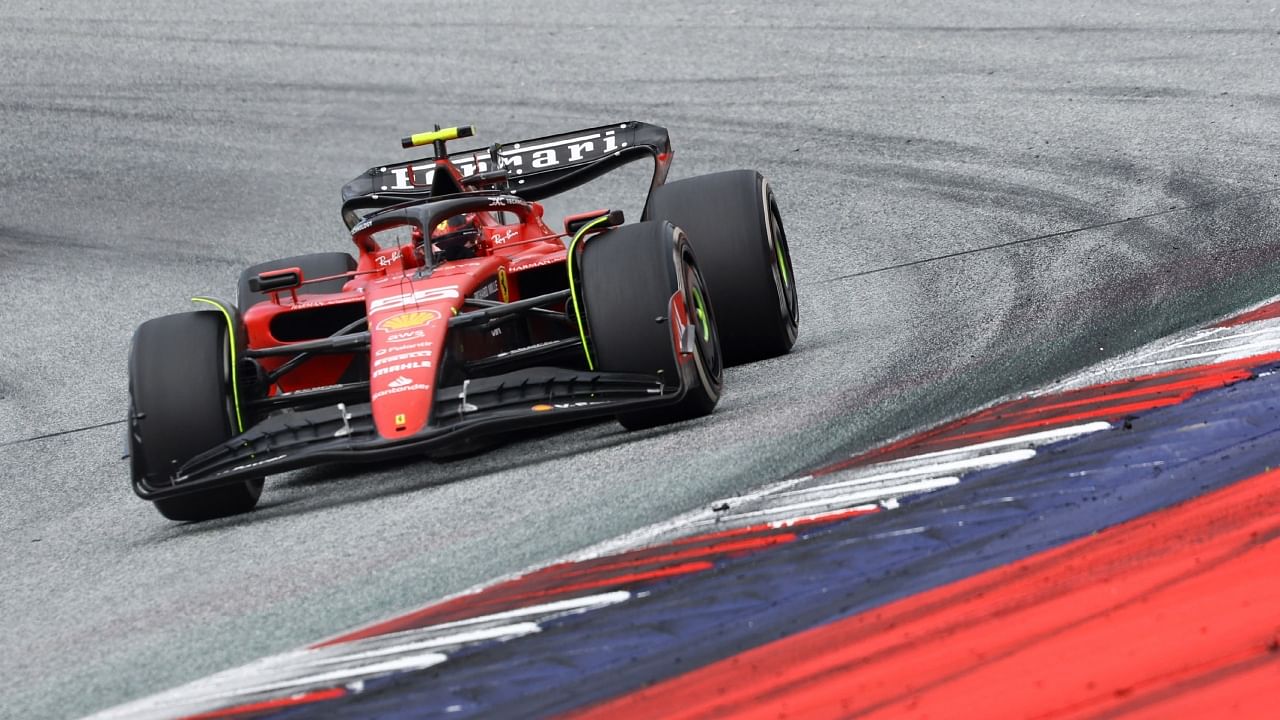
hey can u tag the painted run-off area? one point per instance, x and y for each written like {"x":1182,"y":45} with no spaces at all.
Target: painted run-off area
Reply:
{"x":1169,"y":615}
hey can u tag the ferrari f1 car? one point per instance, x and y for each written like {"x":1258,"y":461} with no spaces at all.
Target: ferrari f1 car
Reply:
{"x":479,"y":319}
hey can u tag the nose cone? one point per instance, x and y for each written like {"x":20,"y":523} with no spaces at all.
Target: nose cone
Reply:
{"x":402,"y":368}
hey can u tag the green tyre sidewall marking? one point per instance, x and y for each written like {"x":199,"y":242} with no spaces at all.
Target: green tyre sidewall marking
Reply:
{"x":782,"y":262}
{"x":700,"y":309}
{"x":573,"y":287}
{"x":231,"y":340}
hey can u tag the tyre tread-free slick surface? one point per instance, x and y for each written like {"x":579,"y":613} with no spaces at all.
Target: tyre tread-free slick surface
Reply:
{"x":629,"y":276}
{"x":733,"y":222}
{"x":180,"y":406}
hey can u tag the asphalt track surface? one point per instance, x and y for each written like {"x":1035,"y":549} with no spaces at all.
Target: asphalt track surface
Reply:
{"x":153,"y":151}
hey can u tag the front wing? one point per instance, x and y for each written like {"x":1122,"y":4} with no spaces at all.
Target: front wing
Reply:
{"x":484,"y":406}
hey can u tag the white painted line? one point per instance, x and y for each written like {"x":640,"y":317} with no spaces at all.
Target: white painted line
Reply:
{"x":433,"y":643}
{"x":1241,"y":351}
{"x":675,"y":526}
{"x":858,"y":498}
{"x":789,"y":522}
{"x":334,"y":677}
{"x":1163,"y":346}
{"x":944,"y":468}
{"x":1224,"y":338}
{"x":1036,"y":438}
{"x":235,"y":685}
{"x":589,"y":602}
{"x":1230,"y":354}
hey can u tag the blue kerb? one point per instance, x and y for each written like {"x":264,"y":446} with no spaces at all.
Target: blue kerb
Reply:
{"x":1069,"y":490}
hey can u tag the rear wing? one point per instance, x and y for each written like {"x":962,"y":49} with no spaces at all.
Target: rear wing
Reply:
{"x":536,"y":169}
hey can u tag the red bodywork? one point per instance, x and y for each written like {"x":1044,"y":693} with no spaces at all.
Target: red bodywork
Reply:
{"x":408,"y":315}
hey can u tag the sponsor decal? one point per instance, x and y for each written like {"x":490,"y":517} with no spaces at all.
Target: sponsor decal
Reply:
{"x":487,"y":291}
{"x":525,"y":348}
{"x":405,"y":336}
{"x":403,"y":347}
{"x":400,"y":357}
{"x":361,"y":226}
{"x":401,"y":420}
{"x":321,"y":303}
{"x":399,"y":382}
{"x":401,"y":367}
{"x":501,"y":239}
{"x":399,"y":389}
{"x":385,"y":260}
{"x":544,"y":407}
{"x":318,"y":388}
{"x":503,"y":293}
{"x":405,"y":321}
{"x":435,"y":294}
{"x":537,"y":157}
{"x":507,"y":201}
{"x":539,"y":263}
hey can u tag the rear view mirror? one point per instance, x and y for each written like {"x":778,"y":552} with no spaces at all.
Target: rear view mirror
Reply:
{"x":574,"y":223}
{"x":276,"y":280}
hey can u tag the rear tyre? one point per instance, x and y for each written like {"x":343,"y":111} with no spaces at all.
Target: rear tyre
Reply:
{"x":313,"y":266}
{"x":732,"y":219}
{"x":630,"y":277}
{"x":180,"y":405}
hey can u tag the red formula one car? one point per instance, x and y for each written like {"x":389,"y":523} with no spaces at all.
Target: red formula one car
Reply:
{"x":478,"y":319}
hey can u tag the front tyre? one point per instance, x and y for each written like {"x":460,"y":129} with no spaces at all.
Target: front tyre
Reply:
{"x":640,"y":283}
{"x":180,"y":405}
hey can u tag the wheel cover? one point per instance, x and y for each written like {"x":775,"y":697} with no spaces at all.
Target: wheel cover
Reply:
{"x":706,"y":344}
{"x":788,"y":299}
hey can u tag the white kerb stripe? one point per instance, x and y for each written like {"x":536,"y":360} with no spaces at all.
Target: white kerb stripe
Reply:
{"x":779,"y":524}
{"x":551,"y":608}
{"x":944,"y":468}
{"x":1231,"y":336}
{"x":859,"y":497}
{"x":1035,"y":438}
{"x":681,"y":523}
{"x":333,"y":677}
{"x":505,"y":631}
{"x":1241,"y":351}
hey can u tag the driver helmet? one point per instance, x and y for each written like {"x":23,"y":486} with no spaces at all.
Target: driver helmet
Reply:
{"x":456,"y":237}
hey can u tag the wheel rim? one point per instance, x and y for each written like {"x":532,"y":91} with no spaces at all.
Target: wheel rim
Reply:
{"x":706,"y":340}
{"x":783,"y":277}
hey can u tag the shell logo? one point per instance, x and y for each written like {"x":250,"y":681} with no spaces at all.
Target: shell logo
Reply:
{"x":404,"y":321}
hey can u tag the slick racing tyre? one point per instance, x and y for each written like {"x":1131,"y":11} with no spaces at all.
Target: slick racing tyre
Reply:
{"x":180,"y":405}
{"x":732,"y":219}
{"x":630,"y":276}
{"x":313,"y":266}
